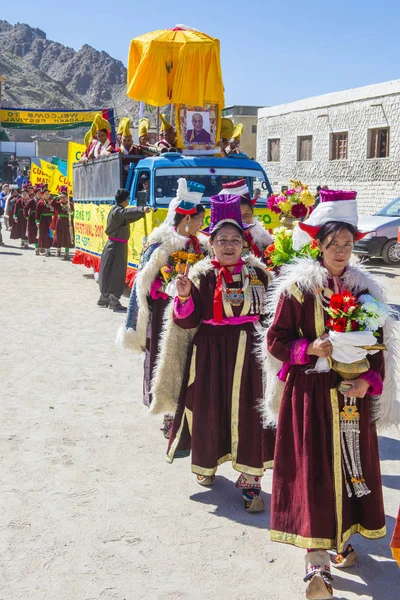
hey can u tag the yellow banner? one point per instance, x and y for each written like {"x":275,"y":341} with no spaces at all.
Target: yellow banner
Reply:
{"x":35,"y":118}
{"x":45,"y":172}
{"x":75,"y":152}
{"x":90,"y":222}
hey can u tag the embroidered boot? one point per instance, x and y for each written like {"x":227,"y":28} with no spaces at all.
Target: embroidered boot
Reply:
{"x":58,"y":252}
{"x":48,"y":253}
{"x":318,"y":575}
{"x":251,"y":488}
{"x":206,"y":480}
{"x":345,"y":559}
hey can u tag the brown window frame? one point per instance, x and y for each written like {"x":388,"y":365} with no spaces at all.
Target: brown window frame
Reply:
{"x":375,"y":141}
{"x":300,"y":139}
{"x":269,"y":153}
{"x":339,"y":145}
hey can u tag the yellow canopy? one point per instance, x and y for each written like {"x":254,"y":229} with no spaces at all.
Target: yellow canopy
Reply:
{"x":184,"y":65}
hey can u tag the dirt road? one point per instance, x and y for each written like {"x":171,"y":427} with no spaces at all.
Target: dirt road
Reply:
{"x":89,"y":509}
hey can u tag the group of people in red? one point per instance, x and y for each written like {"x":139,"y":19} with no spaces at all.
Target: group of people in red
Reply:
{"x":34,"y":217}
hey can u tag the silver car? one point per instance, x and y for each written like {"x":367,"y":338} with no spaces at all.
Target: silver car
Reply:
{"x":383,"y":227}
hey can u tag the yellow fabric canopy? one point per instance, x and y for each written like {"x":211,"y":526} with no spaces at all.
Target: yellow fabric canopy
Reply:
{"x":175,"y":66}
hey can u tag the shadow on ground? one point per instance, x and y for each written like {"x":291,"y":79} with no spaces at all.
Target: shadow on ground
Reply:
{"x":228,"y":503}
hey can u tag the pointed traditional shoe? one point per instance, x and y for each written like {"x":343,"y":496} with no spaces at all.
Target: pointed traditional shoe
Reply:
{"x":346,"y":559}
{"x":252,"y":501}
{"x":318,"y":575}
{"x":206,"y":481}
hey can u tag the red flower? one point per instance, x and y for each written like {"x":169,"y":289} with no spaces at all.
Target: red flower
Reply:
{"x":336,"y":302}
{"x":299,"y":211}
{"x":354,"y":325}
{"x":340,"y":324}
{"x":350,"y":306}
{"x":270,"y":248}
{"x":330,"y":323}
{"x":314,"y":244}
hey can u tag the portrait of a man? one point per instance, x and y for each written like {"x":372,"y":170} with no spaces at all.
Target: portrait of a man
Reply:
{"x":198,"y":135}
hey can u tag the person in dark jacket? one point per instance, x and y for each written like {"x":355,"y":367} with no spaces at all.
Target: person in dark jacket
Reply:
{"x":114,"y":258}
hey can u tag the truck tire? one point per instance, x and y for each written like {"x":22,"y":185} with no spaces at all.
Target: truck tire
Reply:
{"x":391,"y":253}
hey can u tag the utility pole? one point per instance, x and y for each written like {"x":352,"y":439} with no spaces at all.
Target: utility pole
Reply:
{"x":2,"y":79}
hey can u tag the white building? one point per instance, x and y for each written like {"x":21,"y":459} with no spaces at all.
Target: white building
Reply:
{"x":345,"y":140}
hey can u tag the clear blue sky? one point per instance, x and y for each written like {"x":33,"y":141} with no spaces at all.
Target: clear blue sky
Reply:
{"x":271,"y":52}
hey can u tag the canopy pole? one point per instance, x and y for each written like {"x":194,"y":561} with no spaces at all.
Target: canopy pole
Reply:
{"x":158,"y":121}
{"x":171,"y":116}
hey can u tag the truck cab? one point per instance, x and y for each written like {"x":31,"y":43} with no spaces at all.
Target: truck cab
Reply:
{"x":165,"y":170}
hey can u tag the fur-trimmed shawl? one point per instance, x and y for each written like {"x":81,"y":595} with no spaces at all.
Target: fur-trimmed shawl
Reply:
{"x":309,"y":275}
{"x":167,"y":240}
{"x":261,"y":236}
{"x":174,"y":347}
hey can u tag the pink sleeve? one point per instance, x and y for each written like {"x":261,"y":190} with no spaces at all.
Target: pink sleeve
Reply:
{"x":298,"y":356}
{"x":298,"y":352}
{"x":155,"y":291}
{"x":375,"y":382}
{"x":182,"y":311}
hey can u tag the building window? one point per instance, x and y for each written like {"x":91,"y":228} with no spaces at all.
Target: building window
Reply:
{"x":304,"y":147}
{"x":274,"y":150}
{"x":254,"y":129}
{"x":378,"y":142}
{"x":339,"y":145}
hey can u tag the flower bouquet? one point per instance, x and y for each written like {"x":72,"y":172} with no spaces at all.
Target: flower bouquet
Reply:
{"x":293,"y":204}
{"x":171,"y":269}
{"x":352,"y":325}
{"x":282,"y":251}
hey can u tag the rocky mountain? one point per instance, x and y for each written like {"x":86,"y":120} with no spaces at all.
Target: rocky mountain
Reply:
{"x":41,"y":73}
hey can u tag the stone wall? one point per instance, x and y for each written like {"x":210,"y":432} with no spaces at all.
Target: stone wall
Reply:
{"x":377,"y":180}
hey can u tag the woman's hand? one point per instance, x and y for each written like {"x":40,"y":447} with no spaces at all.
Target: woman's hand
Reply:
{"x":359,"y":388}
{"x":320,"y":347}
{"x":183,"y":283}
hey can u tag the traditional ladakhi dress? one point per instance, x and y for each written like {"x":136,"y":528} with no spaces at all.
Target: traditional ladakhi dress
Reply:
{"x":18,"y":230}
{"x":256,"y":240}
{"x":152,"y":292}
{"x":44,"y":216}
{"x":64,"y":236}
{"x":310,"y":505}
{"x":217,"y":415}
{"x":30,"y":215}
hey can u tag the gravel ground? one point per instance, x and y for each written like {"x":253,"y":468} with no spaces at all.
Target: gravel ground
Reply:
{"x":89,"y":508}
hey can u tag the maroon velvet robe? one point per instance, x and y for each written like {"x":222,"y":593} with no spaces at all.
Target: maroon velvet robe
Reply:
{"x":30,"y":215}
{"x":217,"y":414}
{"x":44,"y":216}
{"x":310,"y":507}
{"x":18,"y":230}
{"x":62,"y":238}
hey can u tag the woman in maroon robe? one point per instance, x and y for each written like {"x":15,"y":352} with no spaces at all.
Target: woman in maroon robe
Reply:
{"x":18,"y":231}
{"x":316,"y":502}
{"x":64,"y":210}
{"x":154,"y":287}
{"x":44,"y":217}
{"x":217,"y":412}
{"x":30,"y":215}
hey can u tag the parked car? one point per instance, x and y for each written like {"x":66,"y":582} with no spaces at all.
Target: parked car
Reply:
{"x":383,"y":227}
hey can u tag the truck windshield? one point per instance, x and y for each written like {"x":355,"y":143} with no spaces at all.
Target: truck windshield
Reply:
{"x":166,"y":181}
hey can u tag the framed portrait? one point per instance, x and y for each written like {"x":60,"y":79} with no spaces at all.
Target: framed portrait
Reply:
{"x":197,"y":128}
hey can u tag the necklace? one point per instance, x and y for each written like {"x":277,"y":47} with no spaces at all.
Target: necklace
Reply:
{"x":237,"y":296}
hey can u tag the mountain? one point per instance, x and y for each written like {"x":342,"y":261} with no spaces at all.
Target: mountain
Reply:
{"x":41,"y":73}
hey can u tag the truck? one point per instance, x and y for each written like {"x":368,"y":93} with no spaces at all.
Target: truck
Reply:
{"x":95,"y":183}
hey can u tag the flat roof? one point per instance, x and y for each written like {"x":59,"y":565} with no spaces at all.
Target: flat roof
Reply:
{"x":366,"y":92}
